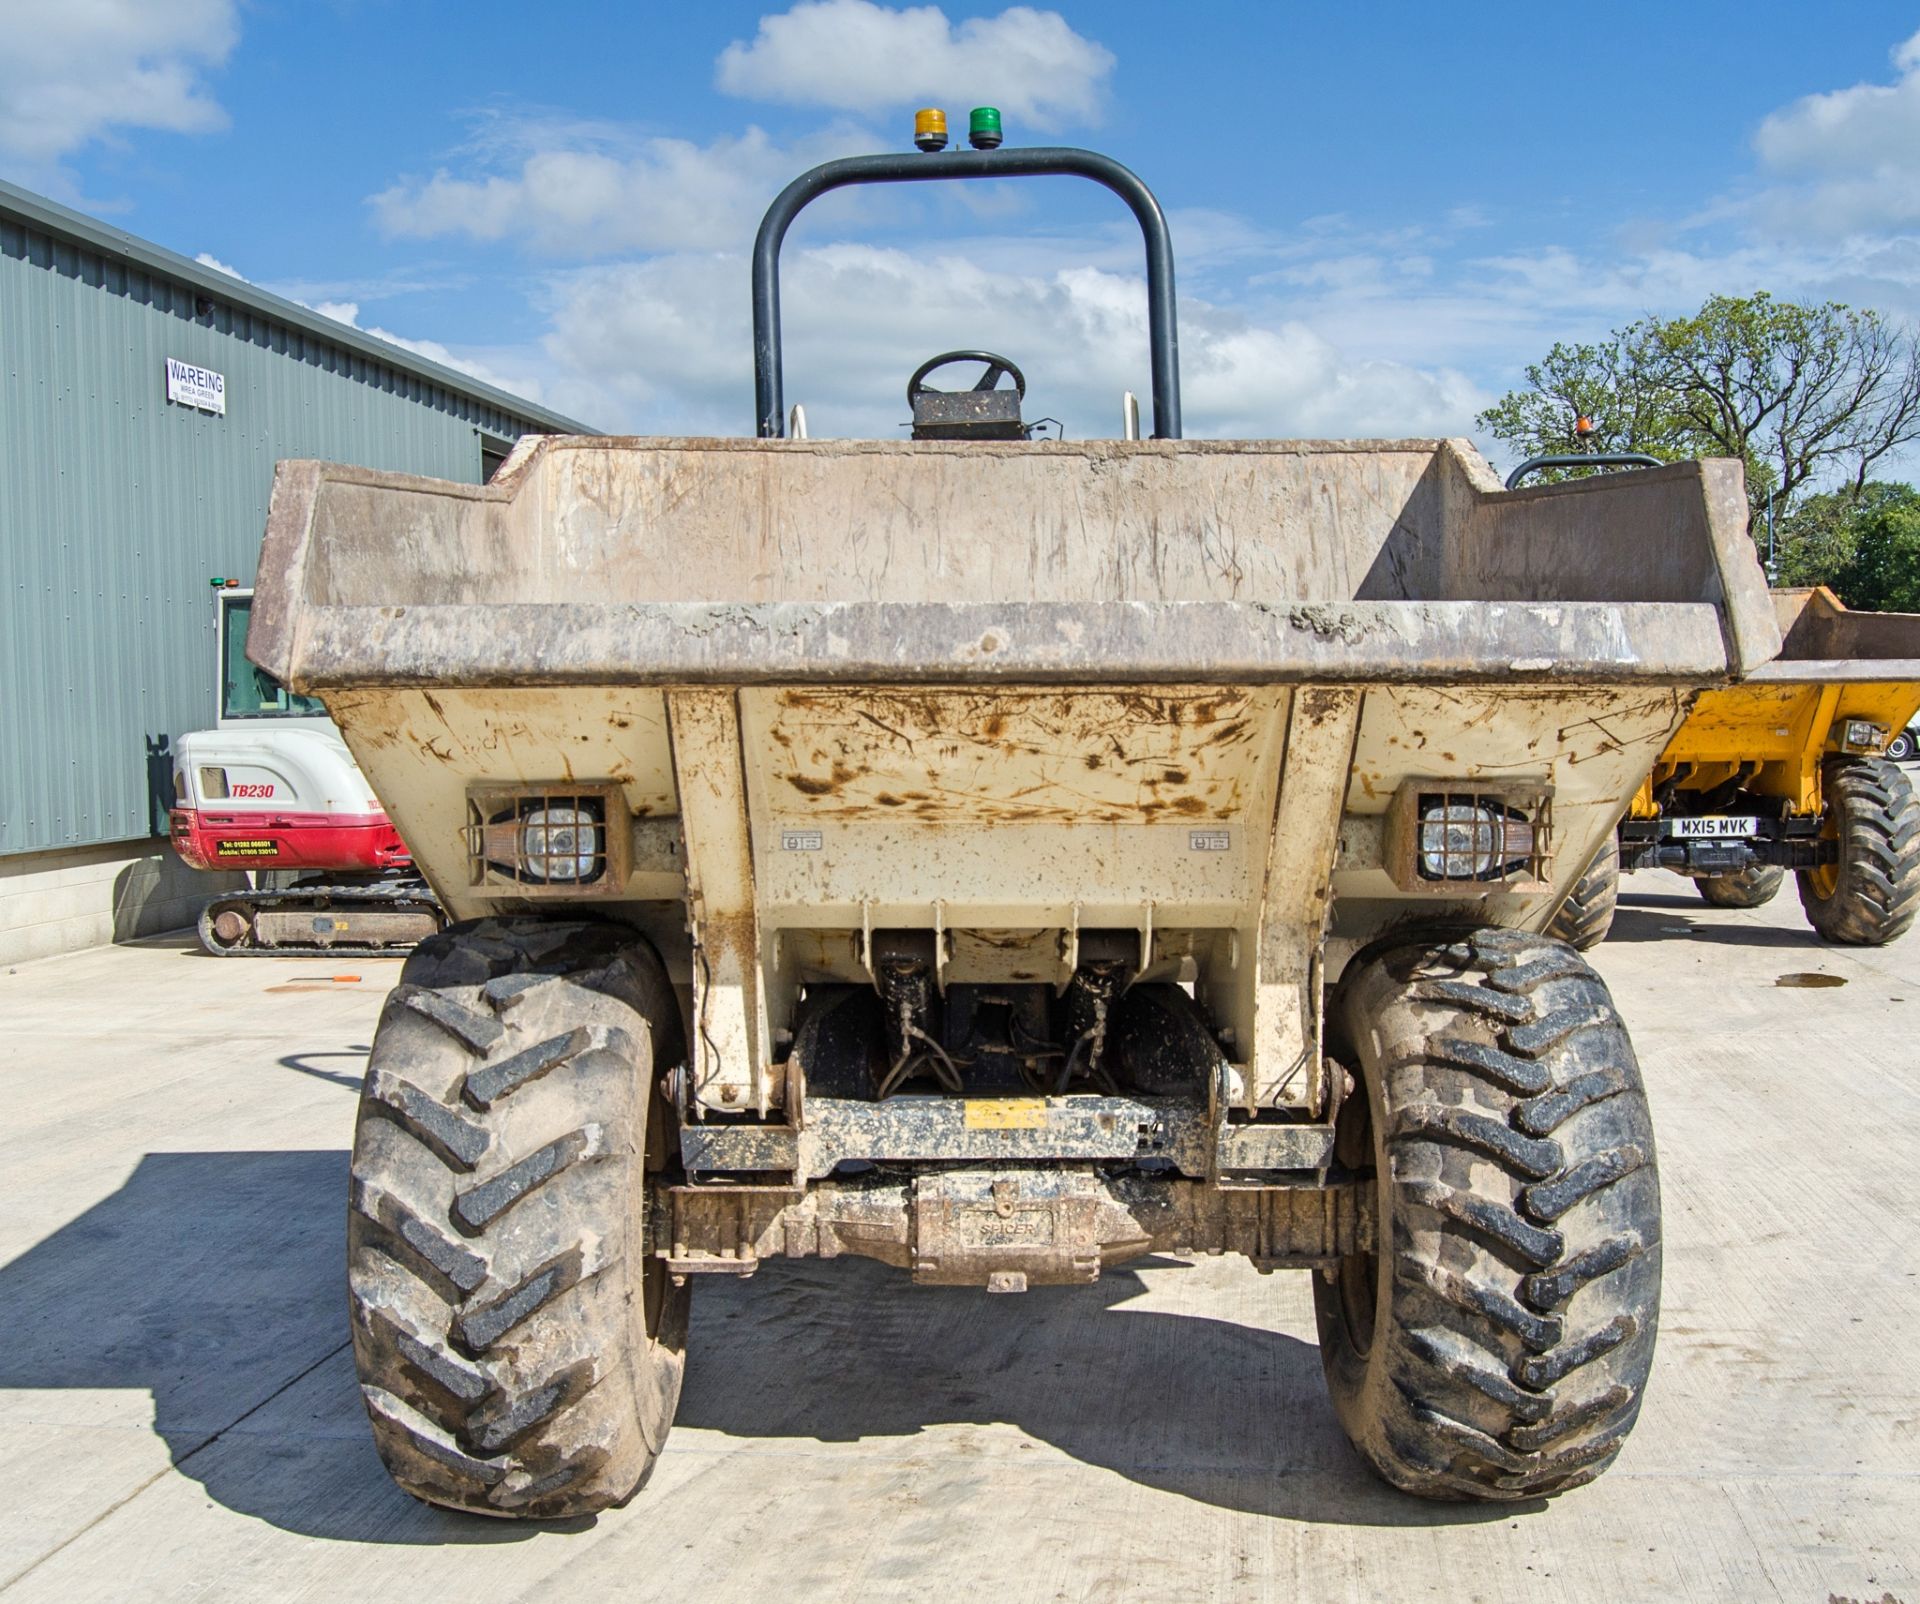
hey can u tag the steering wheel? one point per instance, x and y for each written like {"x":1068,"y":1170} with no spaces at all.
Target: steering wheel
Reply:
{"x":997,"y":367}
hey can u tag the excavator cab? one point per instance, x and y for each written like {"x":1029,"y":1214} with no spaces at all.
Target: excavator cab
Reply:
{"x":246,"y":691}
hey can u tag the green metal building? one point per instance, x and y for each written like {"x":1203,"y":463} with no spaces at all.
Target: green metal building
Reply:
{"x":144,"y":400}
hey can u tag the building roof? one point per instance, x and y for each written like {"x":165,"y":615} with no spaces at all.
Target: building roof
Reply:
{"x":49,"y":217}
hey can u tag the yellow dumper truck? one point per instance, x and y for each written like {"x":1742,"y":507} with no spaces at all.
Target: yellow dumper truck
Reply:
{"x":1786,"y":771}
{"x":1001,"y":858}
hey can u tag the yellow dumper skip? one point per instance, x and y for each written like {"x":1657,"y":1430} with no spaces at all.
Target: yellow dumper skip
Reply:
{"x":1786,"y":770}
{"x":1775,"y":730}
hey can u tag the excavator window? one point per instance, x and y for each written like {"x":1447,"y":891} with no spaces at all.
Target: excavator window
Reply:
{"x":246,"y":691}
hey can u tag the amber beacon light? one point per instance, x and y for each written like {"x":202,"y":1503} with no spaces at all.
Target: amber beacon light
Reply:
{"x":930,"y":129}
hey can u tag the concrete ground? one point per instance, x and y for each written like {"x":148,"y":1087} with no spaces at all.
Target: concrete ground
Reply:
{"x":178,"y":1414}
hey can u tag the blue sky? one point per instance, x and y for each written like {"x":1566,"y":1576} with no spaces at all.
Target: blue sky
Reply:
{"x":1381,"y":212}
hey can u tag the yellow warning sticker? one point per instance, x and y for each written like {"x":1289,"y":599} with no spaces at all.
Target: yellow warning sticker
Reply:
{"x":1006,"y":1113}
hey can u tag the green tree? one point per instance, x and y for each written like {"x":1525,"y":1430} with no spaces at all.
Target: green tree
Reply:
{"x":1802,"y":393}
{"x":1815,"y":542}
{"x":1618,"y":386}
{"x":1864,"y":543}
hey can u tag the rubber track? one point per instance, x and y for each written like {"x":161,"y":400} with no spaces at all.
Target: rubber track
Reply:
{"x":407,"y":896}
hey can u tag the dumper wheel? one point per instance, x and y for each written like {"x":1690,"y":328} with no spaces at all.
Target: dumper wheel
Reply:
{"x":519,"y":1350}
{"x":1871,"y":895}
{"x":1584,"y":919}
{"x":1751,"y":887}
{"x":1496,"y":1343}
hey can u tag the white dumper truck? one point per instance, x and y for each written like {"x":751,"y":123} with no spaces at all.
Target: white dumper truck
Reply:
{"x":1001,"y":858}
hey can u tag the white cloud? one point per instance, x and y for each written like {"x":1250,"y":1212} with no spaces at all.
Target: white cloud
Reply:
{"x":1321,"y":326}
{"x":593,"y":197}
{"x":1850,"y":157}
{"x":856,"y":56}
{"x":348,"y":312}
{"x":76,"y":71}
{"x":662,"y":346}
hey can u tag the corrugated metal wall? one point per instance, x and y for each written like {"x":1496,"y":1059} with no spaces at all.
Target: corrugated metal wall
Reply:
{"x":116,"y":507}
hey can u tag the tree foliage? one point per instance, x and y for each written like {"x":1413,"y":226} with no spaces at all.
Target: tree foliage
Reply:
{"x":1864,"y":543}
{"x":1802,"y":393}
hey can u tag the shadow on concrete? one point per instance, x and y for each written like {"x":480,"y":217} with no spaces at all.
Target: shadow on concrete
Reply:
{"x":1679,"y":901}
{"x":182,"y":941}
{"x":1663,"y":921}
{"x":1229,"y":1415}
{"x":215,"y":1282}
{"x":307,"y":1064}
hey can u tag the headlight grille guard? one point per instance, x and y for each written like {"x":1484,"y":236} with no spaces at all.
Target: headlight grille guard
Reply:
{"x":1455,"y":837}
{"x":505,"y":858}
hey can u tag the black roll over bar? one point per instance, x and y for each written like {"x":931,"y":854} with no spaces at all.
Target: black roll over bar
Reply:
{"x":1040,"y":161}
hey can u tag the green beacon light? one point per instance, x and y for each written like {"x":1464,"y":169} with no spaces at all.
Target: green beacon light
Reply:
{"x":983,"y":128}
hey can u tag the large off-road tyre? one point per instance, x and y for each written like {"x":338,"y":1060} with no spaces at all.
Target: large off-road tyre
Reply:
{"x":1871,"y":895}
{"x":1496,"y":1343}
{"x":519,"y":1349}
{"x":1584,"y":919}
{"x":1751,"y":887}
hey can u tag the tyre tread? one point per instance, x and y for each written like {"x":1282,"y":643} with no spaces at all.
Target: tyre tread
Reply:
{"x":1752,"y":887}
{"x":1511,"y":1350}
{"x":492,"y":1266}
{"x":1583,"y":920}
{"x":1877,"y":814}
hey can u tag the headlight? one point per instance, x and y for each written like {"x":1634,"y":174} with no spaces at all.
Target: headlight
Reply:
{"x":1454,"y":837}
{"x":1472,"y":841}
{"x":561,"y":839}
{"x":1861,"y":735}
{"x":561,"y":844}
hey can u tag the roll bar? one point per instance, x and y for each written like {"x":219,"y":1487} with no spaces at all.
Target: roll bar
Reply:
{"x":1584,"y":459}
{"x":901,"y":167}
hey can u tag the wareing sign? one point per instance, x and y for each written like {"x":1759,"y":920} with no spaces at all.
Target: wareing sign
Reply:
{"x":196,"y":387}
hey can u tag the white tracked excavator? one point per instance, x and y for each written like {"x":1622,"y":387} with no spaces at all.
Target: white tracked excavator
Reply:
{"x":273,"y":790}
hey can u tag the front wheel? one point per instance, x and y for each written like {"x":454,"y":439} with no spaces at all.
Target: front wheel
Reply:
{"x":1751,"y":887}
{"x":1584,"y":919}
{"x":1901,"y":748}
{"x":1869,"y":895}
{"x":519,"y":1348}
{"x":1496,"y":1342}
